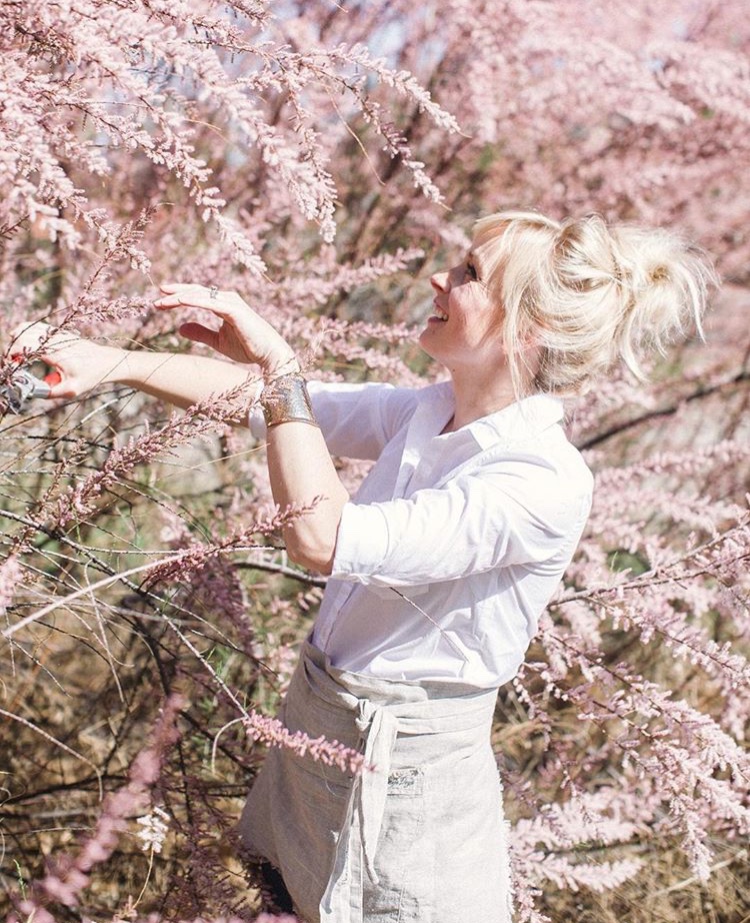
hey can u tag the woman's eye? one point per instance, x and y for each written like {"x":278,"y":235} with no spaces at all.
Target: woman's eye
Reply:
{"x":471,"y":271}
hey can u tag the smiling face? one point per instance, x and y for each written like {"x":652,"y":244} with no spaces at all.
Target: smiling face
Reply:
{"x":466,"y":324}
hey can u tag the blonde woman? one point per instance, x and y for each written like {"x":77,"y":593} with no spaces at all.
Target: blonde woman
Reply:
{"x":442,"y":563}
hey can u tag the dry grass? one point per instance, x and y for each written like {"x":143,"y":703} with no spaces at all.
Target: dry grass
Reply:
{"x":665,"y":892}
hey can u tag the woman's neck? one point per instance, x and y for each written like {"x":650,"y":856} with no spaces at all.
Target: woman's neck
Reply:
{"x":479,"y":393}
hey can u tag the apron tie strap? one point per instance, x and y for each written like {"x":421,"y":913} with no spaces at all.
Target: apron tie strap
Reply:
{"x":381,"y":728}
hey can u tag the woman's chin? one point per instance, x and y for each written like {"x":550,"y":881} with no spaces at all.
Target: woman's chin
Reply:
{"x":432,"y":326}
{"x":425,"y":338}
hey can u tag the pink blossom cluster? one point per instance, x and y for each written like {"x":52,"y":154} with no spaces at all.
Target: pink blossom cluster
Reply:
{"x":330,"y":753}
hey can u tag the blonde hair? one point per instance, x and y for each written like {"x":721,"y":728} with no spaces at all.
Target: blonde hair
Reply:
{"x":586,"y":294}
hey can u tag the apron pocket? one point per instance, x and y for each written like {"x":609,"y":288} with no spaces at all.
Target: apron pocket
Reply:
{"x":404,"y":860}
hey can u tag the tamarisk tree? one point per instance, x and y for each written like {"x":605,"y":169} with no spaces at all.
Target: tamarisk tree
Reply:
{"x":320,"y":158}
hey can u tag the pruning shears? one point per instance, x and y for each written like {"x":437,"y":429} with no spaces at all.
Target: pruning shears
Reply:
{"x":23,"y":387}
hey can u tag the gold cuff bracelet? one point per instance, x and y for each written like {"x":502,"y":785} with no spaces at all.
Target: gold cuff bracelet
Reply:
{"x":285,"y":400}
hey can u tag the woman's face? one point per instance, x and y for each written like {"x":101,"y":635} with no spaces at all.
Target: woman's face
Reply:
{"x":466,"y":323}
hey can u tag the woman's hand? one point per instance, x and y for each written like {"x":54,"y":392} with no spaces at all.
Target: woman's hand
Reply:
{"x":243,"y":335}
{"x":80,"y":364}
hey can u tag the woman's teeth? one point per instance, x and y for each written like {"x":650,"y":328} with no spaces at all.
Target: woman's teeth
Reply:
{"x":441,"y":315}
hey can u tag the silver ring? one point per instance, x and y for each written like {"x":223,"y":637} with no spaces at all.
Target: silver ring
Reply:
{"x":213,"y":292}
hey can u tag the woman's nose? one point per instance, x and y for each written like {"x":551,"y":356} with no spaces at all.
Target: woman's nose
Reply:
{"x":440,"y":281}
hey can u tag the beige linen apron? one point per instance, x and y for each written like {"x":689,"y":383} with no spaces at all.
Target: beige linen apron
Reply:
{"x":419,"y":838}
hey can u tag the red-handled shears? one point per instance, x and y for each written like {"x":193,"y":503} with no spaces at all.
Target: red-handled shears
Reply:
{"x":22,"y":387}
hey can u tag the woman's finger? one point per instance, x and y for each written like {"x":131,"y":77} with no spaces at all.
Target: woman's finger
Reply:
{"x":41,"y":341}
{"x":165,"y":303}
{"x":192,"y":295}
{"x":223,"y":304}
{"x":28,"y":337}
{"x":61,"y":387}
{"x":244,"y":336}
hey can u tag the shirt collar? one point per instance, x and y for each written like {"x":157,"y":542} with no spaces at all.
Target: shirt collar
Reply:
{"x":518,"y":422}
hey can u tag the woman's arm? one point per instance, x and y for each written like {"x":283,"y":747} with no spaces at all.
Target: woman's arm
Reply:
{"x":302,"y":474}
{"x":299,"y":465}
{"x":177,"y":378}
{"x":301,"y":471}
{"x":182,"y":379}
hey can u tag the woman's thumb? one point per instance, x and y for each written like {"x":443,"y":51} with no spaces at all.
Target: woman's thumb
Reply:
{"x":199,"y":334}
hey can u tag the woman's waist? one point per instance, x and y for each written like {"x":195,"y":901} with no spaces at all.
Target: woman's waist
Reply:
{"x":470,"y":645}
{"x":419,"y":707}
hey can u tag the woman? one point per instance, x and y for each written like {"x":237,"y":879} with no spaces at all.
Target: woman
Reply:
{"x":441,"y":566}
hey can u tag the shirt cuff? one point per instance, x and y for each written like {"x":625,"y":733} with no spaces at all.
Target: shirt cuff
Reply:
{"x":257,"y":422}
{"x":361,"y":544}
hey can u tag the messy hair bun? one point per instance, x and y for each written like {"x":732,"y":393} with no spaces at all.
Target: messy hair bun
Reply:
{"x":588,"y":295}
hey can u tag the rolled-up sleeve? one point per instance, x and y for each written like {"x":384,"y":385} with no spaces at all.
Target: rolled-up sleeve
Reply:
{"x":518,"y":512}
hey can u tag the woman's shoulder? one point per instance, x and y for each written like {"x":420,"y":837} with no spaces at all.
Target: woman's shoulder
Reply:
{"x":536,"y":458}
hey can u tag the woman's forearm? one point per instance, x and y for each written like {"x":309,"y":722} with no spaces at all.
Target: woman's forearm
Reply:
{"x":178,"y":378}
{"x":182,"y":379}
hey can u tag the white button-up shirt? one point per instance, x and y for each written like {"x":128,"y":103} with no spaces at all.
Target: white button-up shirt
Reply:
{"x":454,"y":543}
